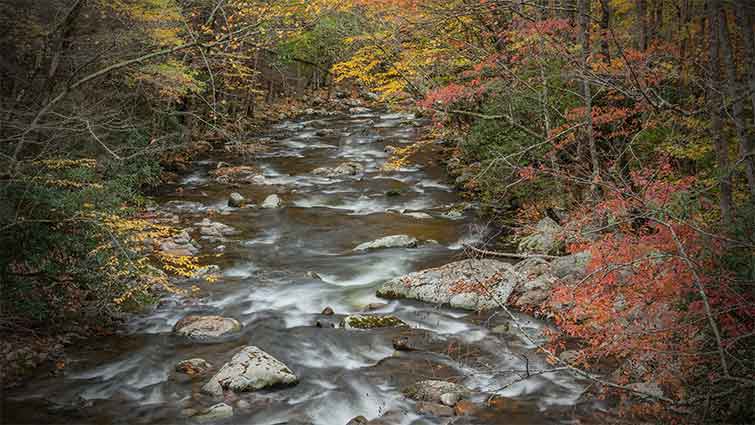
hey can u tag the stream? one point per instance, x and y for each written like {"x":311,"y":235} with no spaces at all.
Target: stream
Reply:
{"x":266,"y":283}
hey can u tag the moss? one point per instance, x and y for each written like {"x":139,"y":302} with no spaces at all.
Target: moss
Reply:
{"x":372,"y":322}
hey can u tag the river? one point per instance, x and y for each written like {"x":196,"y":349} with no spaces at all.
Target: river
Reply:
{"x":266,"y":284}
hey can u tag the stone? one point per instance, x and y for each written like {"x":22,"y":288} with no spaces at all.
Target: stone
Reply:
{"x":249,"y":370}
{"x":453,"y":215}
{"x":200,"y":327}
{"x":314,"y":275}
{"x":572,"y":266}
{"x":345,"y":169}
{"x":238,"y":174}
{"x":450,"y":399}
{"x":325,"y":132}
{"x":434,"y":409}
{"x":236,"y":200}
{"x":215,"y":413}
{"x":327,"y":311}
{"x":173,"y":249}
{"x":193,"y":367}
{"x":369,"y":321}
{"x":433,"y":390}
{"x":210,"y":271}
{"x":272,"y":201}
{"x":394,"y":241}
{"x":358,"y":110}
{"x":532,"y":298}
{"x":418,"y":215}
{"x":358,"y":420}
{"x":458,"y":284}
{"x":215,"y":229}
{"x":375,"y":306}
{"x":546,"y":239}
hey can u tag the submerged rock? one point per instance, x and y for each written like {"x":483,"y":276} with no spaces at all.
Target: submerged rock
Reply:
{"x":215,"y":413}
{"x":369,"y":321}
{"x":249,"y":370}
{"x":193,"y":367}
{"x":199,"y":327}
{"x":394,"y":241}
{"x":469,"y":284}
{"x":272,"y":201}
{"x":434,"y":409}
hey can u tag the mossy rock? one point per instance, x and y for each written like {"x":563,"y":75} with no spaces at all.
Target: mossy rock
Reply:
{"x":371,"y":322}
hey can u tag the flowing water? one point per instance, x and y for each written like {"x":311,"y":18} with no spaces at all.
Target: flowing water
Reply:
{"x":129,"y":378}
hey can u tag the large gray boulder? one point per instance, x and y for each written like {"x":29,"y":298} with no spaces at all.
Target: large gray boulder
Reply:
{"x":394,"y":241}
{"x":473,"y":284}
{"x":546,"y":239}
{"x":200,"y":327}
{"x":249,"y":370}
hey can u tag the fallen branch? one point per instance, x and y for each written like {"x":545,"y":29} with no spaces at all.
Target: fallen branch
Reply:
{"x":509,"y":254}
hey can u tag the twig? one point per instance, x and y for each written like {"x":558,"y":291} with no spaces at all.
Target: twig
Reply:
{"x":509,"y":254}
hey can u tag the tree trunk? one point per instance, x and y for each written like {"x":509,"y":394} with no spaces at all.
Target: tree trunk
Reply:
{"x":734,"y":93}
{"x":584,"y":41}
{"x":745,"y":22}
{"x":642,"y":25}
{"x":715,"y":104}
{"x":605,"y":23}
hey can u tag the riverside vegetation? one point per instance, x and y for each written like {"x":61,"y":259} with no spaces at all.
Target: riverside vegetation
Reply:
{"x":243,"y":165}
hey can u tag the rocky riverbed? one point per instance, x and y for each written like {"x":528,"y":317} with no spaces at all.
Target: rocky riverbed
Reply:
{"x":341,"y":294}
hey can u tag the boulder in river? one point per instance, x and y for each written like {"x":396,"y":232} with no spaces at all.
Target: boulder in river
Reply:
{"x":193,"y":367}
{"x":346,"y":169}
{"x":472,"y":284}
{"x":200,"y":327}
{"x":249,"y":370}
{"x":546,"y":239}
{"x":236,"y":200}
{"x":238,"y":174}
{"x":394,"y":241}
{"x":272,"y":201}
{"x":371,"y":321}
{"x":215,"y":413}
{"x":215,"y":229}
{"x":435,"y":391}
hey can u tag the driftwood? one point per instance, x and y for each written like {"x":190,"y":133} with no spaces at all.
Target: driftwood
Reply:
{"x":487,"y":253}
